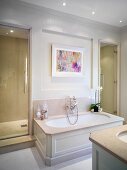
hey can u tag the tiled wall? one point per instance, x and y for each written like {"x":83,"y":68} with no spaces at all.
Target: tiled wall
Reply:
{"x":57,"y":106}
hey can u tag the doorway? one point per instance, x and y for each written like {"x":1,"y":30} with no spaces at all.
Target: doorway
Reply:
{"x":14,"y":72}
{"x":108,"y":77}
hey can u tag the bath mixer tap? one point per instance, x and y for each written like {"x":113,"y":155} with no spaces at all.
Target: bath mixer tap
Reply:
{"x":71,"y":104}
{"x":71,"y":110}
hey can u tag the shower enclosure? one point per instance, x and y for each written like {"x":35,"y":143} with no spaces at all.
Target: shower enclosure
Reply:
{"x":14,"y":70}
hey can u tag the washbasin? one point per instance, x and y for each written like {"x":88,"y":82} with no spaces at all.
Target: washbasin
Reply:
{"x":123,"y":136}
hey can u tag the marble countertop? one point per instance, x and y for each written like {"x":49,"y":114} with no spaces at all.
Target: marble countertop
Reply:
{"x":54,"y":130}
{"x":109,"y":141}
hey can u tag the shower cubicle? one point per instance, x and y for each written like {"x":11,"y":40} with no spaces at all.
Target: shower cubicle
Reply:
{"x":14,"y":64}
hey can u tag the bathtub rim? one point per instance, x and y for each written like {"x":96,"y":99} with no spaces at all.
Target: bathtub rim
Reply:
{"x":65,"y":117}
{"x":48,"y":130}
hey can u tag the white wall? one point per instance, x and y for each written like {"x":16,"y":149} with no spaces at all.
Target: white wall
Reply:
{"x":40,"y":18}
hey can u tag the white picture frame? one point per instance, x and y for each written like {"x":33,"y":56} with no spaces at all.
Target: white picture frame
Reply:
{"x":67,"y":61}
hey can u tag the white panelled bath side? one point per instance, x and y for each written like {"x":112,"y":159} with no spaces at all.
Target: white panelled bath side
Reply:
{"x":58,"y":141}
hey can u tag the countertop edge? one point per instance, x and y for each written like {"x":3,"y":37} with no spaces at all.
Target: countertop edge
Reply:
{"x":106,"y":149}
{"x":97,"y":138}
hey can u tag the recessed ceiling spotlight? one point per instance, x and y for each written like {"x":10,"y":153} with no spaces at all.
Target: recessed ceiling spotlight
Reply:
{"x":93,"y":12}
{"x":11,"y":31}
{"x":121,"y":21}
{"x":64,"y":3}
{"x":6,"y":32}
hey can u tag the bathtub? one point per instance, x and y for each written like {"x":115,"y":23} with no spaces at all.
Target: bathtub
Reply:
{"x":58,"y":141}
{"x":83,"y":119}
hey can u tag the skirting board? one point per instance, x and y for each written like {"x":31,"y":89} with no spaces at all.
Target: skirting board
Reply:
{"x":66,"y":157}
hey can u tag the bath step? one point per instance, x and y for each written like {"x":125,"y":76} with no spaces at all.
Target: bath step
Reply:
{"x":13,"y":144}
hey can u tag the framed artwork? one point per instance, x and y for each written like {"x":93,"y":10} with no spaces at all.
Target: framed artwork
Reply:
{"x":67,"y":61}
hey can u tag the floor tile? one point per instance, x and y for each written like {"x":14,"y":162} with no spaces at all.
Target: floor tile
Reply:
{"x":29,"y":159}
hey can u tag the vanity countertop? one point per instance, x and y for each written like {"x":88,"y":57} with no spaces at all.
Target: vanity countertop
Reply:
{"x":109,"y":141}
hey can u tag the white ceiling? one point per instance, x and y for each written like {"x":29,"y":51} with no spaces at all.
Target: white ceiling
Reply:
{"x":107,"y":11}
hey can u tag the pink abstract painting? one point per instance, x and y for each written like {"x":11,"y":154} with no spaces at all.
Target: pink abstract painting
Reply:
{"x":68,"y":61}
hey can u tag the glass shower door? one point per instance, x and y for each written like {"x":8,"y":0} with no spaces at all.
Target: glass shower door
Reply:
{"x":13,"y":82}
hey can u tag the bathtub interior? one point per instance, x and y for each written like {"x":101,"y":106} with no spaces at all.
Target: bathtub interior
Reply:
{"x":84,"y":118}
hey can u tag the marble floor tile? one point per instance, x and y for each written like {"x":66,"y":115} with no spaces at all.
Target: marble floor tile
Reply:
{"x":29,"y":159}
